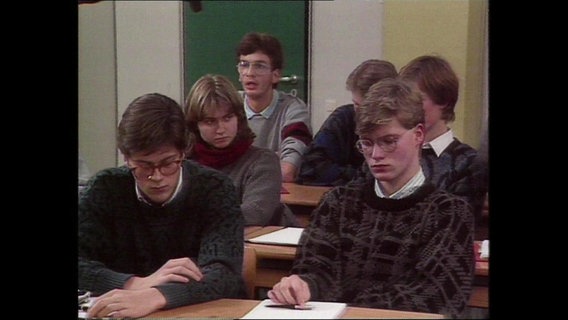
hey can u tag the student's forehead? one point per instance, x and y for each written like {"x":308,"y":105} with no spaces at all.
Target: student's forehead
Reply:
{"x":219,"y":109}
{"x":257,"y":56}
{"x":392,"y":127}
{"x":155,"y":155}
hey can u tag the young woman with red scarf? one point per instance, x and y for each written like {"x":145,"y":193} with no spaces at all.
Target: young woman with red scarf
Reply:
{"x":221,"y":139}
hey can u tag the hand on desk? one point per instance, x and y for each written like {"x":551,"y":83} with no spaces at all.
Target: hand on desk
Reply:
{"x":290,"y":290}
{"x":119,"y":303}
{"x":175,"y":270}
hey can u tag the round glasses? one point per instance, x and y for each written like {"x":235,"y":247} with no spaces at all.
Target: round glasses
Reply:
{"x":258,"y":68}
{"x":387,"y":144}
{"x":142,"y":172}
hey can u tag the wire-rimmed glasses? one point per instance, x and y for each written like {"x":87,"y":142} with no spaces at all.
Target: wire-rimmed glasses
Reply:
{"x":259,"y":68}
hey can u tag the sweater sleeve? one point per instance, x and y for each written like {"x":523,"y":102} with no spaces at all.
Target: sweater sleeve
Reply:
{"x":261,"y":189}
{"x":441,"y":280}
{"x":94,"y":238}
{"x":318,"y":259}
{"x":221,"y":247}
{"x":296,"y":132}
{"x":331,"y":158}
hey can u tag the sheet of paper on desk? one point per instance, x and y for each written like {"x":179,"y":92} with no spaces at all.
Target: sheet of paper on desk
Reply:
{"x":484,"y":252}
{"x":320,"y":310}
{"x":287,"y":236}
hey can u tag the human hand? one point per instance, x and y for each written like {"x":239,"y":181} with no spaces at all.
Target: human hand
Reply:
{"x":174,"y":270}
{"x":290,"y":290}
{"x":289,"y":171}
{"x":119,"y":303}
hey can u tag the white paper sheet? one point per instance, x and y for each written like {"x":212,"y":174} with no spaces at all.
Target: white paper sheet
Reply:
{"x":320,"y":310}
{"x":286,"y":236}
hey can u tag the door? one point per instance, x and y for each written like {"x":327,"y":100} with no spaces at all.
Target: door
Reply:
{"x":212,"y":34}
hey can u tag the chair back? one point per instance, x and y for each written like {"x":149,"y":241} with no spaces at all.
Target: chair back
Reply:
{"x":249,"y":271}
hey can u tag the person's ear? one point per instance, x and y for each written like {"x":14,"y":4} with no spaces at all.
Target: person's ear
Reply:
{"x":276,"y":75}
{"x":420,"y":134}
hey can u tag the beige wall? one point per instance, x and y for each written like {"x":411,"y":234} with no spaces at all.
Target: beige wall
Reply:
{"x":453,"y":29}
{"x":97,"y":85}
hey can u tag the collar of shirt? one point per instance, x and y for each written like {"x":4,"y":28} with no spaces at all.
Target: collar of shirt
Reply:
{"x":266,"y":113}
{"x":142,"y":198}
{"x":440,"y":143}
{"x":406,"y":190}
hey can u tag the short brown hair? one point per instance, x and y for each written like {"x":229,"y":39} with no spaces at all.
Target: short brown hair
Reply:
{"x":368,"y":73}
{"x":386,"y":100}
{"x":434,"y":76}
{"x":149,"y":122}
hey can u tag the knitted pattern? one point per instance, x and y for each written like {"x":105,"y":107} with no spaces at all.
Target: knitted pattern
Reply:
{"x":413,"y":254}
{"x":120,"y":236}
{"x":332,"y":158}
{"x":457,"y":172}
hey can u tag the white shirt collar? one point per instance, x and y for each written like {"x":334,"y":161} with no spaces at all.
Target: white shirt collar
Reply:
{"x":406,"y":190}
{"x":441,"y":142}
{"x":266,"y":113}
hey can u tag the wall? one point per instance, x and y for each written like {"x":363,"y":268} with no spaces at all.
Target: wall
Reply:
{"x":344,"y":34}
{"x":148,"y":52}
{"x":453,"y":29}
{"x":97,"y":85}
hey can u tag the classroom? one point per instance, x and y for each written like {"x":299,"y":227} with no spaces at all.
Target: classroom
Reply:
{"x":129,"y":48}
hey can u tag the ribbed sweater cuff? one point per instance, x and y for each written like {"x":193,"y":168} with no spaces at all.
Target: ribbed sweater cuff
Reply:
{"x":108,"y":280}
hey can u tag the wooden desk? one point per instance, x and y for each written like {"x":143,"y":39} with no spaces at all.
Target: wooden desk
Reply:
{"x":237,"y":308}
{"x":302,"y":200}
{"x":302,"y":195}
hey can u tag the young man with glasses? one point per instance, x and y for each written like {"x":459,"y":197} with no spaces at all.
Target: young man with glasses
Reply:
{"x":280,"y":120}
{"x":390,"y":241}
{"x":159,"y":232}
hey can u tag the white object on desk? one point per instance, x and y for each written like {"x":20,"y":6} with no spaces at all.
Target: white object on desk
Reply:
{"x":484,"y":252}
{"x":286,"y":236}
{"x":319,"y":310}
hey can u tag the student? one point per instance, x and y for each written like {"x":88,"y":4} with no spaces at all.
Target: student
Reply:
{"x":391,"y":241}
{"x":447,"y":162}
{"x":280,"y":120}
{"x":332,"y":158}
{"x":223,"y":140}
{"x":159,"y":232}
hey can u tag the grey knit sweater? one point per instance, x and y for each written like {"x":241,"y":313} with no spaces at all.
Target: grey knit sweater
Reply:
{"x":258,"y":181}
{"x":287,"y":131}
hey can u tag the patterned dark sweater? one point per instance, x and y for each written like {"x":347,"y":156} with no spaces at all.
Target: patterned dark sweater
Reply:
{"x":332,"y":158}
{"x":119,"y":236}
{"x":458,"y":171}
{"x":413,"y":254}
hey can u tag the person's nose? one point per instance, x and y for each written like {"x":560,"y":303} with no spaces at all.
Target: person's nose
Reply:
{"x":377,"y":152}
{"x":220,"y":127}
{"x":156,"y":174}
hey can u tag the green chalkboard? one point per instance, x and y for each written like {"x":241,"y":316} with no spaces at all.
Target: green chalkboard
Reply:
{"x":212,"y":34}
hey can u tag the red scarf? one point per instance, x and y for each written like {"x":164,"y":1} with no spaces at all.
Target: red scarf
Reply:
{"x":219,"y":158}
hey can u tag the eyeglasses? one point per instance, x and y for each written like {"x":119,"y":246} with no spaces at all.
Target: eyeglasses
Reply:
{"x":387,"y":144}
{"x":258,"y":68}
{"x":142,"y":172}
